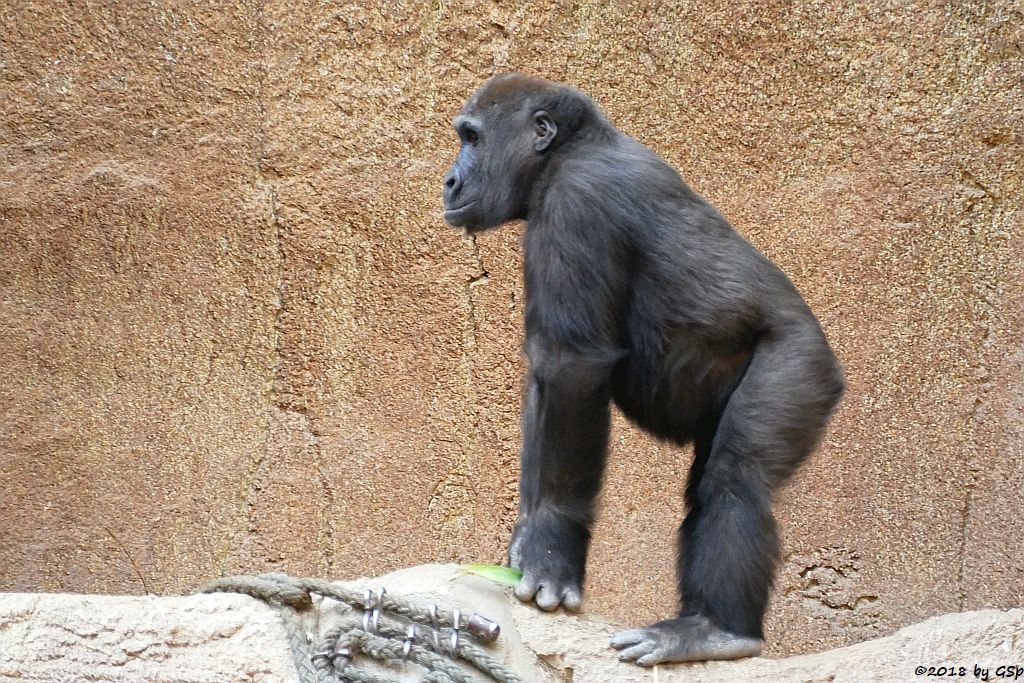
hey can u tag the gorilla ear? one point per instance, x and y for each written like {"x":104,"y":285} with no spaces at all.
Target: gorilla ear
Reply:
{"x":546,"y":130}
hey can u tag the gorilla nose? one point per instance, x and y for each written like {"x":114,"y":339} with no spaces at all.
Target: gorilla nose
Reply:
{"x":452,"y":185}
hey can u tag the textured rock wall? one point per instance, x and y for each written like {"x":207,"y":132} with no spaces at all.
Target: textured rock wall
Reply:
{"x":238,"y":335}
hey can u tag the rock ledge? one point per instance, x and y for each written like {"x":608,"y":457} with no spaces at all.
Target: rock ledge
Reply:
{"x":217,"y":638}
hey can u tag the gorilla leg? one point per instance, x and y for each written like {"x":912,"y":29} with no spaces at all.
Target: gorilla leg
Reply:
{"x":565,"y":439}
{"x":729,"y":544}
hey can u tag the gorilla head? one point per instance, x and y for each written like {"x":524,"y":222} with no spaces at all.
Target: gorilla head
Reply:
{"x":508,"y":131}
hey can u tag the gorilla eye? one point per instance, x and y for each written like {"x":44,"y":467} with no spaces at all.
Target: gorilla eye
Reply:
{"x":471,"y":136}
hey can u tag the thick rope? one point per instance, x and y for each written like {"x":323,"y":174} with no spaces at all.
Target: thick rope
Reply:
{"x":292,"y":600}
{"x":332,"y":659}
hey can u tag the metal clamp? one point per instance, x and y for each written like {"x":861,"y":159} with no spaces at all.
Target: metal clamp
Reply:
{"x":371,"y":620}
{"x":455,"y":641}
{"x":339,"y":657}
{"x":371,"y":599}
{"x":371,"y":609}
{"x":410,"y":636}
{"x":436,"y":627}
{"x":456,"y":621}
{"x":342,"y":657}
{"x":483,"y":629}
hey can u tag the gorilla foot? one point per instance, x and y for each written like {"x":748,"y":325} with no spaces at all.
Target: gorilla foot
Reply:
{"x":686,"y":639}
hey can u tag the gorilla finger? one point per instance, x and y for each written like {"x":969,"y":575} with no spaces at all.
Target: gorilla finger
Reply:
{"x":638,"y":651}
{"x":572,"y":598}
{"x":626,"y":638}
{"x":526,"y":588}
{"x":548,"y":598}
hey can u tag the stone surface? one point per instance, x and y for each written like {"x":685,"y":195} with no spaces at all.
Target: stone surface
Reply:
{"x":239,"y":337}
{"x":207,"y":638}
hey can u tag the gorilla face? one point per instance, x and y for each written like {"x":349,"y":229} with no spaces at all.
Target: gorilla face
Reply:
{"x":503,"y":139}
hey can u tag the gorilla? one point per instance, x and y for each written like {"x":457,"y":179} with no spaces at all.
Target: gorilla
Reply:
{"x":639,"y":292}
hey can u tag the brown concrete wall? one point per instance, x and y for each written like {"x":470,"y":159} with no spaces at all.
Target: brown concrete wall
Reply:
{"x":238,"y":335}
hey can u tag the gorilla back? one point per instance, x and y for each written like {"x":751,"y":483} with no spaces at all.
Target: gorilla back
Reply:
{"x":639,"y":292}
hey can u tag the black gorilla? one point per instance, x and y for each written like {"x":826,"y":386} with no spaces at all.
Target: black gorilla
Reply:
{"x":639,"y":292}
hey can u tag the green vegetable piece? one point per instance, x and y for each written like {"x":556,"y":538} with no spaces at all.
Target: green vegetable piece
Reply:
{"x":506,"y":576}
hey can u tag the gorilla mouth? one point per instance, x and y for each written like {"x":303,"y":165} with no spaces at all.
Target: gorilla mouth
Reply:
{"x":455,"y":216}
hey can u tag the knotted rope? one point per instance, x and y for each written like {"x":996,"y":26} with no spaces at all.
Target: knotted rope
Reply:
{"x":390,"y":630}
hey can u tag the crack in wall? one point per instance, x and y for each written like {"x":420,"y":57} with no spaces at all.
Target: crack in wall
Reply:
{"x":241,"y":532}
{"x":286,"y":415}
{"x":978,"y":207}
{"x":290,"y":423}
{"x":452,"y":497}
{"x":279,"y":305}
{"x":327,"y":506}
{"x":965,"y":523}
{"x":481,"y":278}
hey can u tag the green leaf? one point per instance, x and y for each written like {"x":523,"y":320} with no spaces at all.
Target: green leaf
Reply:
{"x":506,"y":576}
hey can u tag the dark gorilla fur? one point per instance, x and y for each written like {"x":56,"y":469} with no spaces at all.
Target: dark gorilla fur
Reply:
{"x":639,"y":292}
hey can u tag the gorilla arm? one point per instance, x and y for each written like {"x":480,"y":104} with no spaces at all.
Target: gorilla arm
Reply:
{"x":571,"y":295}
